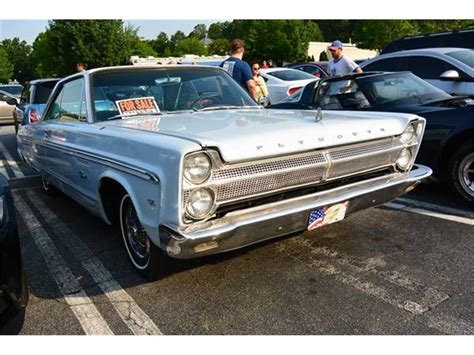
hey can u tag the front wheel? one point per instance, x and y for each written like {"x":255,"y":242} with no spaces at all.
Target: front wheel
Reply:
{"x":461,"y":170}
{"x":145,"y":256}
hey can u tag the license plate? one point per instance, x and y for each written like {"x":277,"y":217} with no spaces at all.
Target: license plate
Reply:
{"x":323,"y":216}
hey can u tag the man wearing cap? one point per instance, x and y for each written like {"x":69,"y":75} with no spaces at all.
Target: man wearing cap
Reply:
{"x":340,"y":65}
{"x":239,"y":69}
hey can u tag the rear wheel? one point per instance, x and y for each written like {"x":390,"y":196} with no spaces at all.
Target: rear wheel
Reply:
{"x":145,"y":256}
{"x":461,"y":170}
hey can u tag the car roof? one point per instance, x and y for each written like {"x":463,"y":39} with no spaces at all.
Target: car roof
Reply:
{"x":39,"y":81}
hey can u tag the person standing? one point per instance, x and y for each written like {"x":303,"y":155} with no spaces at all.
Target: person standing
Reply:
{"x":340,"y":65}
{"x":238,"y":69}
{"x":262,"y":90}
{"x":80,"y":67}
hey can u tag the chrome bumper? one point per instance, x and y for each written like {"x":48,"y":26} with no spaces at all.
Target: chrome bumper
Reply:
{"x":244,"y":227}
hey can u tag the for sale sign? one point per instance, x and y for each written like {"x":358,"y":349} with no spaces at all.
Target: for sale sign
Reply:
{"x":137,"y":106}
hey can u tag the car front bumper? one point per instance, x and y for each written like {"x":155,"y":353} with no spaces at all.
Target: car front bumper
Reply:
{"x":245,"y":227}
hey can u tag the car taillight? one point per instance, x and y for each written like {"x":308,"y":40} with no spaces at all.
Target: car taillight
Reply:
{"x":33,"y":116}
{"x":291,"y":91}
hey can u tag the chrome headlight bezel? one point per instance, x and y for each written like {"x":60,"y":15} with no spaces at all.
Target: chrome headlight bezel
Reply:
{"x":192,"y":162}
{"x":404,"y":159}
{"x":191,"y":210}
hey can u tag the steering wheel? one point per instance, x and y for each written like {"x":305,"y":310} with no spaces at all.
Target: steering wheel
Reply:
{"x":204,"y":101}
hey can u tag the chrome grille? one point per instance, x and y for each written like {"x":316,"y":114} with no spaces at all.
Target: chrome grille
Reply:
{"x":269,"y":166}
{"x":244,"y":180}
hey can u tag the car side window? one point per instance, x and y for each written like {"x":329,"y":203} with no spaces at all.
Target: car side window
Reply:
{"x":426,"y":67}
{"x":3,"y":97}
{"x":69,"y":104}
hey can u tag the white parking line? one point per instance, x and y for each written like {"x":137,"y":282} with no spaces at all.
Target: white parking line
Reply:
{"x":434,"y":207}
{"x":133,"y":316}
{"x":402,"y":207}
{"x":10,"y":161}
{"x":80,"y":304}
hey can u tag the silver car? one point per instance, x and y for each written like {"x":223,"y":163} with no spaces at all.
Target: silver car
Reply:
{"x":187,"y":164}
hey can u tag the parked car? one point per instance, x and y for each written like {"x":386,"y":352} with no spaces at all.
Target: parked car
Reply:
{"x":283,"y":82}
{"x":32,"y":102}
{"x":450,"y":69}
{"x":14,"y":89}
{"x":312,"y":68}
{"x":13,"y":287}
{"x":187,"y":164}
{"x":6,"y":110}
{"x":448,"y":144}
{"x":458,"y":39}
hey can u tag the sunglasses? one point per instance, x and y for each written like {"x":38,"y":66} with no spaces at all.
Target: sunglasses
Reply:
{"x":256,"y":68}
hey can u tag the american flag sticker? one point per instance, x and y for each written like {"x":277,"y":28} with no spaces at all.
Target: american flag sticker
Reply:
{"x":330,"y":214}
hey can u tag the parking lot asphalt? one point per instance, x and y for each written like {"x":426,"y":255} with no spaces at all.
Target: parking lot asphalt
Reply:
{"x":402,"y":268}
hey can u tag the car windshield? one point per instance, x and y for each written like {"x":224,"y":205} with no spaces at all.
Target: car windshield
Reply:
{"x":12,"y":89}
{"x":378,"y":91}
{"x":152,"y":90}
{"x":290,"y":75}
{"x":464,"y":56}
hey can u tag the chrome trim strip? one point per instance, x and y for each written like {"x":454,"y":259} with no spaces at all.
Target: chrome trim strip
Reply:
{"x":146,"y":175}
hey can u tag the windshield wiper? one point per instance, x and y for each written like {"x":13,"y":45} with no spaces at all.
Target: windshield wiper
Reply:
{"x":217,"y":108}
{"x":121,"y":116}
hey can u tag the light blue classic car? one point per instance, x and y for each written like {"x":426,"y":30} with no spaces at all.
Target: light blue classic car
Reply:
{"x":188,"y":164}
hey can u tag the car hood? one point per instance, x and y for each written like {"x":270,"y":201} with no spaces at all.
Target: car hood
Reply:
{"x":251,"y":134}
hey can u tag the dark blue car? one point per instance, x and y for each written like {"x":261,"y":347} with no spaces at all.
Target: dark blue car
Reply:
{"x":13,"y":289}
{"x":448,"y":143}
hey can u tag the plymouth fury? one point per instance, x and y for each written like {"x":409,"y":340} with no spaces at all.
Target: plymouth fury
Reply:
{"x":187,"y":164}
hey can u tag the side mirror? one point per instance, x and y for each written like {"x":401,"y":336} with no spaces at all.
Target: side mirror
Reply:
{"x":452,"y":75}
{"x":12,"y":101}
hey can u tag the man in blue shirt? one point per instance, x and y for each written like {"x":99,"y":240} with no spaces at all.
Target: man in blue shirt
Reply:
{"x":239,"y":69}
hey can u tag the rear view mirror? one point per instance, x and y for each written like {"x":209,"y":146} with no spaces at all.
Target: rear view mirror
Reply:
{"x":449,"y":75}
{"x":12,"y":101}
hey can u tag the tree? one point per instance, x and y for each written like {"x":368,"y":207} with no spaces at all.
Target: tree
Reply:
{"x":219,"y":30}
{"x":6,"y":69}
{"x":342,"y":30}
{"x":280,"y":40}
{"x":175,"y":39}
{"x":219,"y":46}
{"x":191,"y":46}
{"x":376,"y":34}
{"x":199,"y":31}
{"x":95,"y":43}
{"x":18,"y":53}
{"x":136,"y":46}
{"x":161,"y":44}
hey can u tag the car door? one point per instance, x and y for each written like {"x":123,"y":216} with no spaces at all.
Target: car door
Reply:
{"x":63,"y":119}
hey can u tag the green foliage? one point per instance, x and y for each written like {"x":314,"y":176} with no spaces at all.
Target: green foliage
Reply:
{"x":18,"y":53}
{"x":218,"y":30}
{"x":343,"y":30}
{"x":42,"y":50}
{"x":199,"y":31}
{"x":191,"y":45}
{"x":6,"y":69}
{"x":135,"y":45}
{"x":161,"y":45}
{"x":376,"y":34}
{"x":219,"y":46}
{"x":175,"y":39}
{"x":280,"y":40}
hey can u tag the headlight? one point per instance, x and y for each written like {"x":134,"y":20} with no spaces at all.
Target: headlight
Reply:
{"x":197,"y":168}
{"x":200,"y":203}
{"x":409,"y":135}
{"x":404,"y":159}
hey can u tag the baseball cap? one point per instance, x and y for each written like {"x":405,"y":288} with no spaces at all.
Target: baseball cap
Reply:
{"x":335,"y":45}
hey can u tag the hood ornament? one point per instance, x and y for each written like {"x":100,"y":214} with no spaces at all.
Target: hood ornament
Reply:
{"x":319,"y":114}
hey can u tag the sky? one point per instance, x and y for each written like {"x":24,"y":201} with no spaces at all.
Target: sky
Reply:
{"x":28,"y":29}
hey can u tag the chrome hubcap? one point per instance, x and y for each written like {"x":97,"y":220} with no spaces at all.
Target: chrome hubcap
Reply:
{"x":466,"y":173}
{"x":136,"y":234}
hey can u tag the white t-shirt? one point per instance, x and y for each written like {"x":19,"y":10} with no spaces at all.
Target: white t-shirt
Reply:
{"x":342,"y":67}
